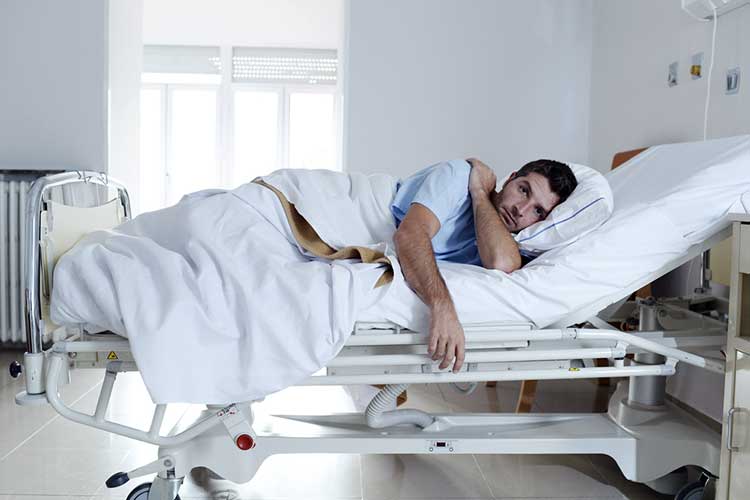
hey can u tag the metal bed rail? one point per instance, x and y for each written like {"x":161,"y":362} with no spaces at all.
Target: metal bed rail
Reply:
{"x":34,"y":205}
{"x":613,"y":345}
{"x":37,"y":198}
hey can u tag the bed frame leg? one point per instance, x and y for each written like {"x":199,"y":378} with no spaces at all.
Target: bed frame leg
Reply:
{"x":164,"y":488}
{"x":526,"y":396}
{"x":648,"y":391}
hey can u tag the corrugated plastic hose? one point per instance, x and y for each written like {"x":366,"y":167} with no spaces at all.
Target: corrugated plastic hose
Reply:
{"x":379,"y":415}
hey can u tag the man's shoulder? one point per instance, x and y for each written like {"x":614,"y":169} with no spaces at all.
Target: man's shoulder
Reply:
{"x":451,"y":172}
{"x":459,"y":167}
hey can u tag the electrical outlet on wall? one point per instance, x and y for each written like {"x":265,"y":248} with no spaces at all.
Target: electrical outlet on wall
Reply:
{"x":672,"y":75}
{"x":696,"y":66}
{"x":733,"y":81}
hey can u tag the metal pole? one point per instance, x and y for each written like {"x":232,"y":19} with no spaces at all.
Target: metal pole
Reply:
{"x":648,"y":391}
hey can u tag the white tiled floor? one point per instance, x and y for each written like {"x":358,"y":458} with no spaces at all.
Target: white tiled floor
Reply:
{"x":45,"y":457}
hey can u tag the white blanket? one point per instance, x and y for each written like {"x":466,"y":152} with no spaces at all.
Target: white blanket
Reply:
{"x":214,"y":294}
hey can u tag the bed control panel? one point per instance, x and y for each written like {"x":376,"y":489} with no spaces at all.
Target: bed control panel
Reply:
{"x":441,"y":446}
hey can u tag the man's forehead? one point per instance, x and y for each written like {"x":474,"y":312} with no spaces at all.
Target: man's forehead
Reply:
{"x":541,"y":190}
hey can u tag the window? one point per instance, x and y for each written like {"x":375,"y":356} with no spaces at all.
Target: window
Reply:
{"x":256,"y":133}
{"x":206,"y":127}
{"x":192,"y":114}
{"x":311,"y":130}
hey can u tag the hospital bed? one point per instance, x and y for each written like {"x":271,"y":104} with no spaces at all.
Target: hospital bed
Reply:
{"x":648,"y":436}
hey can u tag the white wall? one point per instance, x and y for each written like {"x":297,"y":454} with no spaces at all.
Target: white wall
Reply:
{"x":53,"y":84}
{"x":277,"y":23}
{"x":429,"y":80}
{"x":631,"y":104}
{"x":125,"y":62}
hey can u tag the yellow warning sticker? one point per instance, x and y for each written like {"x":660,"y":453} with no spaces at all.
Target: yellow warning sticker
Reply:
{"x":571,"y":369}
{"x":112,"y":355}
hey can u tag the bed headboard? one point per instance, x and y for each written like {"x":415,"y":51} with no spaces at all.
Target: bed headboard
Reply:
{"x":624,"y":156}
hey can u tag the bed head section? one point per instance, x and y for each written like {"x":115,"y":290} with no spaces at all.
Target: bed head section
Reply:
{"x":617,"y":160}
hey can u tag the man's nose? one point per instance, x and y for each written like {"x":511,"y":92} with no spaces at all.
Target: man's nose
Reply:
{"x":521,"y":209}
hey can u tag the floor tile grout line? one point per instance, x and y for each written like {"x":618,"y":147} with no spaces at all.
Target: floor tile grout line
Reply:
{"x":45,"y":425}
{"x":122,"y":461}
{"x":484,"y":478}
{"x":361,"y":477}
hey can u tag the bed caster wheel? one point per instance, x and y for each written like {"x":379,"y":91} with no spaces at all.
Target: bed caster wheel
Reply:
{"x":141,"y":491}
{"x":15,"y":369}
{"x":703,"y":489}
{"x":692,"y":491}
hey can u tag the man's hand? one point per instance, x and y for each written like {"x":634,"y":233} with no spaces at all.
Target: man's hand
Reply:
{"x":497,"y":248}
{"x":414,"y":250}
{"x":481,"y":179}
{"x":446,"y":338}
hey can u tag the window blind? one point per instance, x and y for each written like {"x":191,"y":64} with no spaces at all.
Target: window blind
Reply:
{"x":181,"y":59}
{"x":285,"y":66}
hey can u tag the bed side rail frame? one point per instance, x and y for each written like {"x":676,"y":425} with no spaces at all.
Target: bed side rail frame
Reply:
{"x":35,"y":204}
{"x":609,"y":344}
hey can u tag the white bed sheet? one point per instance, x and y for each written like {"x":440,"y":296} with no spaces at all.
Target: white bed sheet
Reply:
{"x":666,"y":199}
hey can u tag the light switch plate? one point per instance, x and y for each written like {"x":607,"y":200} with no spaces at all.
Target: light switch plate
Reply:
{"x":733,"y":81}
{"x":696,"y":66}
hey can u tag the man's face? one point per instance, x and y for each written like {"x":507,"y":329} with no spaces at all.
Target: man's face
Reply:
{"x":525,"y":200}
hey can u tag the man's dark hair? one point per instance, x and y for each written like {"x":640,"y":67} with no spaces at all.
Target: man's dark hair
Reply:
{"x":560,"y":176}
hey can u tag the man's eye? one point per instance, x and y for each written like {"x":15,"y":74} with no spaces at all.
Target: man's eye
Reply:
{"x":523,"y":190}
{"x":540,"y":213}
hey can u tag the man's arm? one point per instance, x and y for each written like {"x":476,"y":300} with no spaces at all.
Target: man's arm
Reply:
{"x":417,"y":259}
{"x":497,"y":248}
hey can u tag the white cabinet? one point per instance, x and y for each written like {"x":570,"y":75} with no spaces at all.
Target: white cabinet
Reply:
{"x":744,"y":257}
{"x":737,"y":435}
{"x":734,"y":480}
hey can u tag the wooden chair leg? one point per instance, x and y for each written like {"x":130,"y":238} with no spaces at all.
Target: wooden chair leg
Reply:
{"x":602,"y":363}
{"x":526,"y":396}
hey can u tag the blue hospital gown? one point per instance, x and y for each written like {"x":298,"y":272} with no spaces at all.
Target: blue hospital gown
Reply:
{"x":444,"y":189}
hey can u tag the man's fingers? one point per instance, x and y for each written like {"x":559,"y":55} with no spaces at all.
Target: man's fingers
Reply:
{"x":433,"y":345}
{"x":439,"y":349}
{"x":460,"y":353}
{"x":449,"y":354}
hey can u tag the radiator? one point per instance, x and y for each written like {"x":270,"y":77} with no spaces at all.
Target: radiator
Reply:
{"x":14,"y":188}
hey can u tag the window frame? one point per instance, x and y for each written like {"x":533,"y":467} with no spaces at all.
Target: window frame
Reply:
{"x":226,"y":89}
{"x":162,"y":88}
{"x":284,"y":116}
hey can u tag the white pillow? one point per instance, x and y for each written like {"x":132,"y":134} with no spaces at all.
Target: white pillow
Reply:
{"x":588,"y":206}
